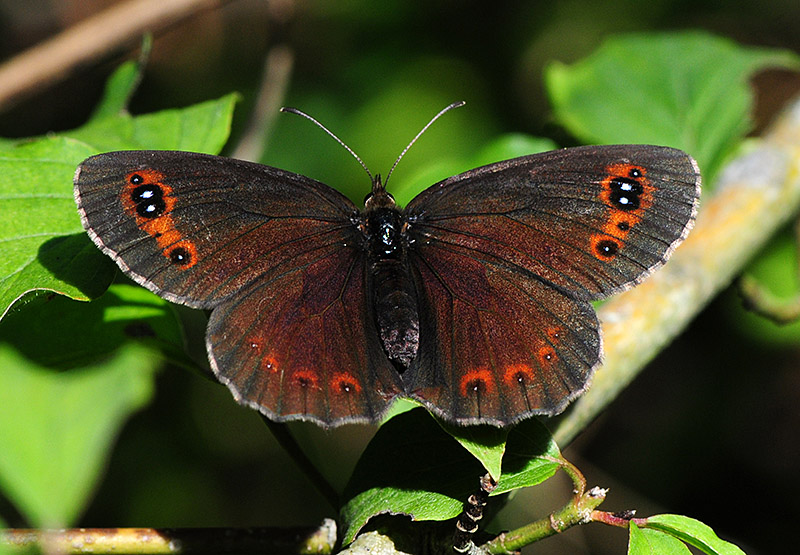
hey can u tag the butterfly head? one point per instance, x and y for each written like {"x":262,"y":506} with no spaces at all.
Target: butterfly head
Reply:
{"x":378,"y":197}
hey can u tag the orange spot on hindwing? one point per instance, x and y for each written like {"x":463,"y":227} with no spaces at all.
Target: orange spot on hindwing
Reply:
{"x":628,"y":193}
{"x":343,"y":382}
{"x":479,"y":380}
{"x":518,"y":374}
{"x":150,"y":201}
{"x":269,"y":364}
{"x":545,"y":352}
{"x":306,"y":378}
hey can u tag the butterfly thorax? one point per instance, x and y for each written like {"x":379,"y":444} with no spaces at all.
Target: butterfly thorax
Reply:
{"x":391,"y":287}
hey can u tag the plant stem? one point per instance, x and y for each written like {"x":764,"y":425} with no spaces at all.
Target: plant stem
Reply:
{"x":90,"y":39}
{"x":578,"y":510}
{"x":290,"y":445}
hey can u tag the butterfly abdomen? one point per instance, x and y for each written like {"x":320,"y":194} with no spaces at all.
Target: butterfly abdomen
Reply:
{"x":393,"y":295}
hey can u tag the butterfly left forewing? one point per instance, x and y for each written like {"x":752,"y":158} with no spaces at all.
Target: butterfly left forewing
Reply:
{"x":196,"y":228}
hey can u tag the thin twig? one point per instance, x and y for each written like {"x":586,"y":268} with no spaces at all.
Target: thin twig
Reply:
{"x":156,"y":541}
{"x":290,"y":445}
{"x":54,"y":59}
{"x":271,"y":93}
{"x":758,"y":299}
{"x":577,"y":511}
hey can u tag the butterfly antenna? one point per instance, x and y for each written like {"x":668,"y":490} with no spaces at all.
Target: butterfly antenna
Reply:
{"x":458,"y":104}
{"x":329,"y":132}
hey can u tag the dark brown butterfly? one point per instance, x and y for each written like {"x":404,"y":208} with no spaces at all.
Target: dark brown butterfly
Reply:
{"x":473,"y":300}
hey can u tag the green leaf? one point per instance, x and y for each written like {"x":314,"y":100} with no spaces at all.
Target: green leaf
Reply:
{"x":485,"y":443}
{"x":643,"y":541}
{"x":693,"y":532}
{"x":688,"y":90}
{"x":413,"y":467}
{"x":81,"y":333}
{"x":44,"y":245}
{"x":203,"y":127}
{"x":68,"y":395}
{"x":56,"y":429}
{"x":410,"y":467}
{"x":531,"y":457}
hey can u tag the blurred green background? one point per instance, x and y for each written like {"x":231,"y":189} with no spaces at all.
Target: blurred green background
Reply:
{"x":709,"y":430}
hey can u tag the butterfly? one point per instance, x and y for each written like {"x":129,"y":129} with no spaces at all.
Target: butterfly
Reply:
{"x":473,"y":300}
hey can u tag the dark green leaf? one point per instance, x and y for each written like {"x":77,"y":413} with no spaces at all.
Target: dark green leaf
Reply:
{"x":531,"y":457}
{"x":413,"y":467}
{"x":688,"y":90}
{"x":643,"y":541}
{"x":410,"y":467}
{"x":485,"y":443}
{"x":693,"y":532}
{"x":80,"y":333}
{"x":56,"y":429}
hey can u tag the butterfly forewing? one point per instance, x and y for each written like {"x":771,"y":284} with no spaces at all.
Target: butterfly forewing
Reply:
{"x":197,"y":228}
{"x":589,"y":219}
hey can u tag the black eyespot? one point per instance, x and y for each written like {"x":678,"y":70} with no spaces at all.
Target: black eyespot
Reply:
{"x":137,"y":179}
{"x":149,"y":200}
{"x":626,"y":193}
{"x":180,"y":256}
{"x":607,"y":248}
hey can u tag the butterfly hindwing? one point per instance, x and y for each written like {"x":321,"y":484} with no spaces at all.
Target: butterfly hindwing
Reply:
{"x":302,"y":345}
{"x":498,"y":344}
